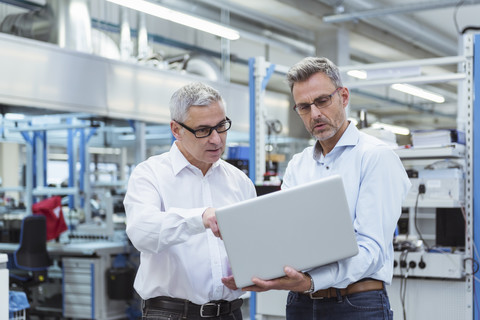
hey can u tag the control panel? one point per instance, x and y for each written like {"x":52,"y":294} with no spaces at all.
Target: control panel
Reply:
{"x":429,"y":264}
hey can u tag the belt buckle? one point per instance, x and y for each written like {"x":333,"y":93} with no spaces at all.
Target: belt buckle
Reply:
{"x":209,"y":304}
{"x":315,"y":298}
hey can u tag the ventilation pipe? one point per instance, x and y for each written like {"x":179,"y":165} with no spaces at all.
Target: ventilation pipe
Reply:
{"x":203,"y":66}
{"x":362,"y":123}
{"x":142,"y":37}
{"x":36,"y":24}
{"x":125,"y":37}
{"x":403,"y":27}
{"x":73,"y":28}
{"x":63,"y":22}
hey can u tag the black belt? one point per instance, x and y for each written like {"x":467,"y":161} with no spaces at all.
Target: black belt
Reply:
{"x":208,"y":310}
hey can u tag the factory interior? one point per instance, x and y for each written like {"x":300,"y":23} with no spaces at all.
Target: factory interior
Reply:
{"x":85,"y":87}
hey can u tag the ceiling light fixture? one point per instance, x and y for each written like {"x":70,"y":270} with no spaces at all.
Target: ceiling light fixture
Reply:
{"x":180,"y":18}
{"x":14,"y":116}
{"x":359,"y":74}
{"x":418,"y":92}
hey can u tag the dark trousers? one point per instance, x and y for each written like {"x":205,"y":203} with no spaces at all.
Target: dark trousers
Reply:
{"x":369,"y":305}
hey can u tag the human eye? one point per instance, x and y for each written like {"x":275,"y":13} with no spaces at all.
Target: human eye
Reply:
{"x":222,"y":125}
{"x":321,"y":101}
{"x":202,"y":131}
{"x":303,"y":106}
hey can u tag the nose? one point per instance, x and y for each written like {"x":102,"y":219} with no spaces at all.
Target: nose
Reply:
{"x":314,"y":111}
{"x":214,"y":137}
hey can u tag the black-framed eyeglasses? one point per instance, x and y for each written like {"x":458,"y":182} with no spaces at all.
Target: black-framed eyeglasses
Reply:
{"x":205,"y":131}
{"x":319,"y":102}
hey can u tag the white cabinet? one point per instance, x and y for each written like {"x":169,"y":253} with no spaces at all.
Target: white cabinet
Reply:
{"x":85,"y":290}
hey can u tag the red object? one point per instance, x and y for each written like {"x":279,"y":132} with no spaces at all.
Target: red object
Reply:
{"x":51,"y":208}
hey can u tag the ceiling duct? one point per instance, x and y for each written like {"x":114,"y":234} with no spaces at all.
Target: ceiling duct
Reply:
{"x":73,"y":28}
{"x":203,"y":66}
{"x":36,"y":24}
{"x":401,"y":26}
{"x":143,"y":50}
{"x":63,"y":22}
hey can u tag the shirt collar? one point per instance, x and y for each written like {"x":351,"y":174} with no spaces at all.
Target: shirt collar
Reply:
{"x":349,"y":138}
{"x":179,"y":162}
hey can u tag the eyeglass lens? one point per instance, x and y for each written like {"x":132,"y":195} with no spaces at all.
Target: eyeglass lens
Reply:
{"x":319,"y":102}
{"x":220,"y":128}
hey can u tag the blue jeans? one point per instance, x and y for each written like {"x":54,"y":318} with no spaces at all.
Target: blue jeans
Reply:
{"x":369,"y":305}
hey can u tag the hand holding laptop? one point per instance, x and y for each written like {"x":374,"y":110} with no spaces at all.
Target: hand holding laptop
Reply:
{"x":293,"y":281}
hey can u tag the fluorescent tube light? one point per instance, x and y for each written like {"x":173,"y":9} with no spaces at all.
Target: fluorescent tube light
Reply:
{"x":179,"y":17}
{"x":14,"y":116}
{"x":395,"y":129}
{"x":418,"y":92}
{"x":359,"y":74}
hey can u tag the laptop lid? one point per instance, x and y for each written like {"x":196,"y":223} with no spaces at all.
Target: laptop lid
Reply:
{"x":302,"y":227}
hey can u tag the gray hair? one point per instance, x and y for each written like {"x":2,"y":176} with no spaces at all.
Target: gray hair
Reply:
{"x":193,"y":94}
{"x":307,"y":67}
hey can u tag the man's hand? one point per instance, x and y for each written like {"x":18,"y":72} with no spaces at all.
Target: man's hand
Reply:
{"x":293,"y":281}
{"x":229,"y":282}
{"x":210,"y":221}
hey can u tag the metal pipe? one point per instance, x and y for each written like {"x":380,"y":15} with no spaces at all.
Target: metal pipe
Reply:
{"x":407,"y":29}
{"x":417,"y":80}
{"x":408,"y":63}
{"x":72,"y":25}
{"x":402,"y":8}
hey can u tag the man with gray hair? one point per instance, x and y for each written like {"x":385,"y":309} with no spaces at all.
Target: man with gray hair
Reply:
{"x":375,"y":183}
{"x":171,"y":220}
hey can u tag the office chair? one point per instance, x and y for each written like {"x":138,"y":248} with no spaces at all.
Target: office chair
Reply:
{"x":31,"y":260}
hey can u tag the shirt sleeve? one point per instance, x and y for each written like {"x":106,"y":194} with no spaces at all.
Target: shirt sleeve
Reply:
{"x":382,"y":188}
{"x":149,"y":228}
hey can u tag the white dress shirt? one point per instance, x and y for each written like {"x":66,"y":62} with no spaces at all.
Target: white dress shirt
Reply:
{"x":376,"y":184}
{"x":164,"y":203}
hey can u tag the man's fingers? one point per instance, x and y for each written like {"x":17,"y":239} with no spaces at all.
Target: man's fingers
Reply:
{"x":229,"y":282}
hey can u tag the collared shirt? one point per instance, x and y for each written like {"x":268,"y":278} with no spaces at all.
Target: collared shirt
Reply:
{"x":376,"y":184}
{"x":164,"y":203}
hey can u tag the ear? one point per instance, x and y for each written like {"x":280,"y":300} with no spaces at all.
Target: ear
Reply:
{"x":345,"y":96}
{"x":175,"y":128}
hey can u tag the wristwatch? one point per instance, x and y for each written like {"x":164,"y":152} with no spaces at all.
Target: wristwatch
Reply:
{"x":312,"y":287}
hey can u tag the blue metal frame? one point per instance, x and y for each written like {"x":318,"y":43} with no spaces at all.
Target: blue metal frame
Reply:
{"x":71,"y":162}
{"x":30,"y":141}
{"x":34,"y":161}
{"x":270,"y":72}
{"x":82,"y":148}
{"x":476,"y":164}
{"x":251,"y":151}
{"x":251,"y":155}
{"x":43,"y":136}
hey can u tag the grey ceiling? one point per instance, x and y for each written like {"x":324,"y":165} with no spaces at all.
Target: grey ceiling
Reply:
{"x":377,"y":31}
{"x":366,"y":31}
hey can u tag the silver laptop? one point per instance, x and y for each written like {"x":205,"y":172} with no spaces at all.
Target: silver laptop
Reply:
{"x":302,"y":227}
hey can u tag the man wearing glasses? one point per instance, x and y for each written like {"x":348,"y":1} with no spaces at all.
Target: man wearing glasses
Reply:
{"x":171,"y":220}
{"x":375,"y":183}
